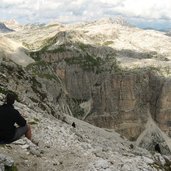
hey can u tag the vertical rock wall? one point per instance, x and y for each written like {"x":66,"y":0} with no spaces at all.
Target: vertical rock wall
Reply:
{"x":122,"y":101}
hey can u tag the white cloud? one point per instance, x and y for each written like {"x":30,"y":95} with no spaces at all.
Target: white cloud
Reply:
{"x":76,"y":10}
{"x":147,"y":8}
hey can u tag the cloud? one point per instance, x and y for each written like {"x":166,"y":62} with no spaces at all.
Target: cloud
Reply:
{"x":79,"y":10}
{"x":153,"y":9}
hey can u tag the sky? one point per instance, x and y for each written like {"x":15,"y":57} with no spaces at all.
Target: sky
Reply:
{"x":141,"y":13}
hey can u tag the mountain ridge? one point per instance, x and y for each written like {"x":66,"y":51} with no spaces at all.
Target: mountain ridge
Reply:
{"x":4,"y":28}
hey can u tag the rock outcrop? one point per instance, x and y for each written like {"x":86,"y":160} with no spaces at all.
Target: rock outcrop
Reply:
{"x":4,"y":28}
{"x":6,"y":163}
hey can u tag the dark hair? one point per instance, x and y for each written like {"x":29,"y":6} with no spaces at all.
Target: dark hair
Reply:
{"x":10,"y":98}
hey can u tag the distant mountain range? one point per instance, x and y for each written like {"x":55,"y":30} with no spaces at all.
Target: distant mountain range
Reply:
{"x":161,"y":30}
{"x":4,"y":28}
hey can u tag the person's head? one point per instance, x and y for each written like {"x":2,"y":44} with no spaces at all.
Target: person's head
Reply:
{"x":10,"y":98}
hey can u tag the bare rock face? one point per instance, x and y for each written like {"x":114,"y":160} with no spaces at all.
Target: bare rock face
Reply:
{"x":163,"y":116}
{"x":119,"y":101}
{"x":125,"y":102}
{"x":135,"y":104}
{"x":4,"y":28}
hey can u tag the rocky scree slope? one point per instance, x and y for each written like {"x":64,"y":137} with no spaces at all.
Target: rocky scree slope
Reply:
{"x":83,"y":148}
{"x":38,"y":92}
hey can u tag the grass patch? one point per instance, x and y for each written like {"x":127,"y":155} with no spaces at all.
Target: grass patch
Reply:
{"x":95,"y":64}
{"x":88,"y":62}
{"x":59,"y":49}
{"x":52,"y":25}
{"x":83,"y":46}
{"x":41,"y":69}
{"x":107,"y":43}
{"x":12,"y":168}
{"x":36,"y":64}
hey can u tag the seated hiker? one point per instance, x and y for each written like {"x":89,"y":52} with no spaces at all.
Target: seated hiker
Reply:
{"x":9,"y":117}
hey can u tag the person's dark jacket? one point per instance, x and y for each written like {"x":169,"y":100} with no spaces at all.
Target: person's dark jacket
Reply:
{"x":8,"y":117}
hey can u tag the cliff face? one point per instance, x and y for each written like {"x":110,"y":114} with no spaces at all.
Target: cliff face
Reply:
{"x":118,"y":101}
{"x":135,"y":104}
{"x":121,"y":102}
{"x":106,"y":96}
{"x":163,"y":113}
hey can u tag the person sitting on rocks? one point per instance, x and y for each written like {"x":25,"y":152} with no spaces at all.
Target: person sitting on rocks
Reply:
{"x":9,"y":117}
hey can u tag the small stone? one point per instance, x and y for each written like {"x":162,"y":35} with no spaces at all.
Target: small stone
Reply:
{"x":26,"y":146}
{"x":35,"y":152}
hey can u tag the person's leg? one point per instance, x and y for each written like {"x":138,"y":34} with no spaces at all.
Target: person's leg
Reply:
{"x":20,"y":131}
{"x":28,"y":134}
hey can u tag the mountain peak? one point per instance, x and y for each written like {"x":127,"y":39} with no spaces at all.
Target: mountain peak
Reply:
{"x":117,"y":20}
{"x":106,"y":20}
{"x":122,"y":21}
{"x":4,"y":28}
{"x":11,"y":22}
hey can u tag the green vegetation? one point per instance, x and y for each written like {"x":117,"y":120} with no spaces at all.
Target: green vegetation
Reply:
{"x":2,"y":145}
{"x":34,"y":121}
{"x":37,"y":55}
{"x":27,"y":45}
{"x":52,"y":25}
{"x":59,"y":49}
{"x":47,"y":76}
{"x":87,"y":63}
{"x":83,"y":46}
{"x":3,"y":91}
{"x":159,"y":166}
{"x":41,"y":69}
{"x":36,"y":64}
{"x":12,"y":168}
{"x":107,"y":43}
{"x":46,"y":43}
{"x":95,"y":64}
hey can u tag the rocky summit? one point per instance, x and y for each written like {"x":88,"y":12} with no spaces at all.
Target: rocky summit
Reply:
{"x":97,"y":95}
{"x":4,"y":28}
